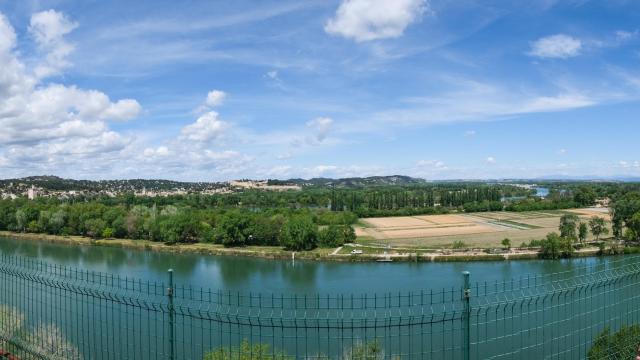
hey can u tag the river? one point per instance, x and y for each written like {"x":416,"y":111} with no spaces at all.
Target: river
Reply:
{"x":281,"y":276}
{"x":117,"y":307}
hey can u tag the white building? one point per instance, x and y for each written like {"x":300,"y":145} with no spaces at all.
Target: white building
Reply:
{"x":32,"y":193}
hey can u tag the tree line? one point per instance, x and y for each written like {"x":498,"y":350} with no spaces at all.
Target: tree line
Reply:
{"x":294,"y":229}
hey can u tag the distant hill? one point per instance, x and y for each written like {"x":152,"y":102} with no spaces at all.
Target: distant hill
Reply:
{"x":58,"y":184}
{"x":55,"y":183}
{"x":356,"y":181}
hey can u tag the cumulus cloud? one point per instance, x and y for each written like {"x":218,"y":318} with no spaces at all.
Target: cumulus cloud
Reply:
{"x":215,"y":98}
{"x":48,"y":28}
{"x":559,"y":46}
{"x":433,"y":164}
{"x":207,"y":128}
{"x":321,"y":127}
{"x":365,"y":20}
{"x":491,"y":160}
{"x":629,"y":165}
{"x":48,"y":124}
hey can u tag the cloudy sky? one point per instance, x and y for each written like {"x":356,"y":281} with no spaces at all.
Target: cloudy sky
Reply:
{"x":215,"y":90}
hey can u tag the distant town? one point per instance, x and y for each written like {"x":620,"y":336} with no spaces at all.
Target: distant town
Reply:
{"x":55,"y":187}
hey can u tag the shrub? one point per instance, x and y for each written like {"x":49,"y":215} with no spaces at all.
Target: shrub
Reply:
{"x":459,"y":245}
{"x":299,"y":233}
{"x":244,"y":351}
{"x":556,"y":247}
{"x":621,"y":345}
{"x":336,"y":235}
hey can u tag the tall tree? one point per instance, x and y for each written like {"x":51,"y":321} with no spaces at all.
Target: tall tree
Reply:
{"x":299,"y":233}
{"x":583,"y":232}
{"x":598,"y":227}
{"x":568,"y":224}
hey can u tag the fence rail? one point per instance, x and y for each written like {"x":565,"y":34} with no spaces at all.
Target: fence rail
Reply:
{"x":49,"y":311}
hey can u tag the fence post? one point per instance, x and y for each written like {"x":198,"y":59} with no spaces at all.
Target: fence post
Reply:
{"x":466,"y":316}
{"x":172,"y":311}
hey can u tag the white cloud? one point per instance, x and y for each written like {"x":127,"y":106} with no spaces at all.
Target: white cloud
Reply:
{"x":280,"y":171}
{"x":48,"y":28}
{"x":321,"y":127}
{"x":320,"y":170}
{"x":207,"y":128}
{"x":365,"y":20}
{"x":48,"y":126}
{"x":431,"y":164}
{"x":7,"y":35}
{"x":491,"y":160}
{"x":478,"y":101}
{"x":284,"y":156}
{"x":470,"y":133}
{"x":559,"y":46}
{"x":215,"y":98}
{"x":161,"y":151}
{"x":273,"y":74}
{"x":622,"y":35}
{"x":629,"y":165}
{"x":562,"y":151}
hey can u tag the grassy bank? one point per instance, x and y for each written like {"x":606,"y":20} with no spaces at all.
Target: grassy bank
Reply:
{"x":369,"y":253}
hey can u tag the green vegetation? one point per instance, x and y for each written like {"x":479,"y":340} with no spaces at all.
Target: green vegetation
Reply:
{"x":568,"y":224}
{"x":583,"y":232}
{"x":333,"y":236}
{"x":556,"y":247}
{"x":317,"y":215}
{"x":598,"y":227}
{"x":459,"y":245}
{"x":44,"y":339}
{"x":623,"y":344}
{"x":245,"y":351}
{"x":178,"y":220}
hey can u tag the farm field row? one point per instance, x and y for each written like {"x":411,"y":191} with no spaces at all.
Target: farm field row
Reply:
{"x":476,"y":230}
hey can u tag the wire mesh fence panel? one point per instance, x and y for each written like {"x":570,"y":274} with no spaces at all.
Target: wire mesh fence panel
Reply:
{"x":52,"y":312}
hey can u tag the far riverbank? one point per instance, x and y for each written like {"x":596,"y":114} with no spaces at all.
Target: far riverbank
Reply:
{"x":342,"y":254}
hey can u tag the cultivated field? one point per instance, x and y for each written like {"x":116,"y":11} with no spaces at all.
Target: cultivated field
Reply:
{"x":477,"y":230}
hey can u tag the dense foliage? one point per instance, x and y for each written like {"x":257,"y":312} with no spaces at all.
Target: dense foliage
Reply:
{"x":181,"y":222}
{"x":623,"y":344}
{"x":314,"y":216}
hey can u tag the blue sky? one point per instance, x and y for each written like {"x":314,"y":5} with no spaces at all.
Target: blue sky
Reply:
{"x":216,"y":90}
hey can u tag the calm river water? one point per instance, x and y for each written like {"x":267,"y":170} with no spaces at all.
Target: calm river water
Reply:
{"x":304,"y":308}
{"x":280,"y":276}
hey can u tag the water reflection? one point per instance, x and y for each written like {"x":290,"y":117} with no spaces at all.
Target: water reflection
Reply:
{"x":276,"y":276}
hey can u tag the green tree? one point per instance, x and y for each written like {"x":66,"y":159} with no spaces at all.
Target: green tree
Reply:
{"x":94,"y":227}
{"x":506,"y":243}
{"x":299,"y":233}
{"x":634,"y":225}
{"x":181,"y":228}
{"x":556,"y":247}
{"x":107,"y":233}
{"x":336,"y":235}
{"x":583,"y":232}
{"x":598,"y":227}
{"x":57,"y":221}
{"x":232,"y":229}
{"x":621,"y":345}
{"x":245,"y":351}
{"x":585,"y":196}
{"x":21,"y":220}
{"x":568,"y":224}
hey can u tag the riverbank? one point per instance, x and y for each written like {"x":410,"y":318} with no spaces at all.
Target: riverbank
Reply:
{"x":343,"y":254}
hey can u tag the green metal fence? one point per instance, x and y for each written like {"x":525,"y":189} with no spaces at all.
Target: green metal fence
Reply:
{"x":54,"y":312}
